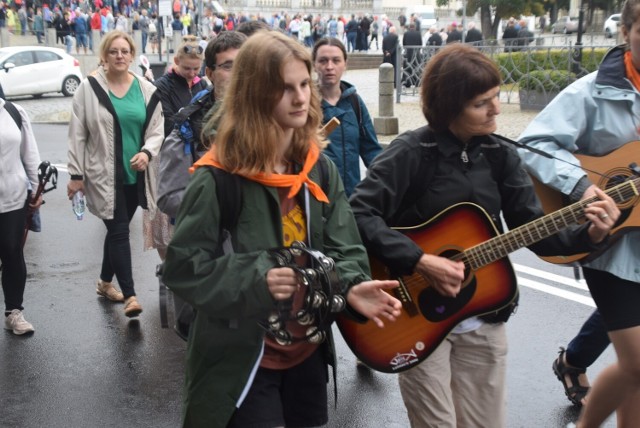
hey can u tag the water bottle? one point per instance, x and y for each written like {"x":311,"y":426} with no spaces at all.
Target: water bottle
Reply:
{"x":78,"y":204}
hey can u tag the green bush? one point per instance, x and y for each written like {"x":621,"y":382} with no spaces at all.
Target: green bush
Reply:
{"x":547,"y":80}
{"x":515,"y":65}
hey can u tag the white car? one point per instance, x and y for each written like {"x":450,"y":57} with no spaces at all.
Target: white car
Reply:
{"x":35,"y":70}
{"x":612,"y":25}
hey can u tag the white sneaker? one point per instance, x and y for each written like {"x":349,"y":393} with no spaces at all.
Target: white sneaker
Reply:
{"x":16,"y":323}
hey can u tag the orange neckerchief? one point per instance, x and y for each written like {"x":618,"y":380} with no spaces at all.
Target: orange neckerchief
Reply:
{"x":294,"y":181}
{"x":632,"y":73}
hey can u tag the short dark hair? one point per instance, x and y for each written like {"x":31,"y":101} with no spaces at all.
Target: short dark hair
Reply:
{"x":248,"y":28}
{"x":328,"y":41}
{"x":224,"y":41}
{"x":453,"y":77}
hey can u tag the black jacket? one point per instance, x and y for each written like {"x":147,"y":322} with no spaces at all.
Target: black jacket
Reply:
{"x":395,"y":194}
{"x":175,"y":93}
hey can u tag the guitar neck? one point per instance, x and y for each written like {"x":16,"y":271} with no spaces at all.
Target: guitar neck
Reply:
{"x":537,"y":230}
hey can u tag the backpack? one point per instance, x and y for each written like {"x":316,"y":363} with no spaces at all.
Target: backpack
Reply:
{"x":177,"y":154}
{"x":15,"y":114}
{"x":229,"y":194}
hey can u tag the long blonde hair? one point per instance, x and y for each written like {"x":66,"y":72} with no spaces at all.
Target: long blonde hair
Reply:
{"x":248,"y":136}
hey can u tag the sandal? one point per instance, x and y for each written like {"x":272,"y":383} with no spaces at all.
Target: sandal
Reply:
{"x":576,"y":392}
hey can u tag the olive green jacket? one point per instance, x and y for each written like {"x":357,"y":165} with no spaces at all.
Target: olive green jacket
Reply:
{"x":230,"y":293}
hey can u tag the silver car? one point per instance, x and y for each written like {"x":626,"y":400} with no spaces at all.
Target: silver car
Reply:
{"x":566,"y":25}
{"x":35,"y":70}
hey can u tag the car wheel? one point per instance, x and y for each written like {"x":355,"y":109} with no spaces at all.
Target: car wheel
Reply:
{"x":70,"y":86}
{"x":607,"y":33}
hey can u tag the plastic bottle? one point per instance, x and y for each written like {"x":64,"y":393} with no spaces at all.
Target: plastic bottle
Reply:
{"x":78,"y":204}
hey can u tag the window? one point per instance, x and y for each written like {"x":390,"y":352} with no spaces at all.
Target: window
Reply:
{"x":46,"y":56}
{"x":21,"y":58}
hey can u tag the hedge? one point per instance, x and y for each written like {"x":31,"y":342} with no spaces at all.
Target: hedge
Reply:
{"x":514,"y":65}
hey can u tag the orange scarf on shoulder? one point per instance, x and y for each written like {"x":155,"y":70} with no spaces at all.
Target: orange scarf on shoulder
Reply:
{"x":632,"y":73}
{"x":295,"y":181}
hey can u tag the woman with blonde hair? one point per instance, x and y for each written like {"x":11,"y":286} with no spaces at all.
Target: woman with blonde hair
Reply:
{"x":181,"y":83}
{"x":237,"y":374}
{"x":114,"y":132}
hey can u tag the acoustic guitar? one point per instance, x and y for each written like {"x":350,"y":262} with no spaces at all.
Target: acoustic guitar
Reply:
{"x":605,"y":172}
{"x":462,"y":232}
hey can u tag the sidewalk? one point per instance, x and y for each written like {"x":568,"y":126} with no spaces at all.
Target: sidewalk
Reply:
{"x":511,"y":121}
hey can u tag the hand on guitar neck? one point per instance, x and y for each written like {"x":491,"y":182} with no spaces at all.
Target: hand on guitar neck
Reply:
{"x":602,"y":213}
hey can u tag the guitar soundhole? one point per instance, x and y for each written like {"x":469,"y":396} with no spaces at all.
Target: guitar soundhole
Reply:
{"x":614,"y":178}
{"x":435,"y":307}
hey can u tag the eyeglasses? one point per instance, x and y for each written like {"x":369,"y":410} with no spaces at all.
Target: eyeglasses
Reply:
{"x":191,"y":49}
{"x":123,"y":52}
{"x":226,"y":66}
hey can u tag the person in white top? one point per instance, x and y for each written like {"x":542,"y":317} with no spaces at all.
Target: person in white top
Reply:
{"x":18,"y":178}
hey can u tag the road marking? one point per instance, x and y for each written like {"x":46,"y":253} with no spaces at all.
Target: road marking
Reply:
{"x":549,"y":289}
{"x":551,"y":276}
{"x":61,"y":167}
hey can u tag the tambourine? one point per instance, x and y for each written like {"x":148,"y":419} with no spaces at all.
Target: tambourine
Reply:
{"x":323,"y":298}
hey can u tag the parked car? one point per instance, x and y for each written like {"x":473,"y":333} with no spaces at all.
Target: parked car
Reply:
{"x":612,"y":25}
{"x":35,"y":70}
{"x":566,"y":25}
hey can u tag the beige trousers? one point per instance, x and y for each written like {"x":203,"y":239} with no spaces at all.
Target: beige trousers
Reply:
{"x":461,"y":384}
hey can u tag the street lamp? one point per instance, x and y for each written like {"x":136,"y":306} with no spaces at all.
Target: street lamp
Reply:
{"x":577,"y":54}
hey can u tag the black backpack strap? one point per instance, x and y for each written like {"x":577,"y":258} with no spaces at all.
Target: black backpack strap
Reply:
{"x":229,"y":195}
{"x":15,"y":114}
{"x":427,"y":169}
{"x":185,"y":112}
{"x":355,"y":103}
{"x":323,"y":169}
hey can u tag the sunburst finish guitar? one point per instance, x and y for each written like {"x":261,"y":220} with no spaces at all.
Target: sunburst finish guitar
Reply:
{"x":462,"y":232}
{"x":612,"y":173}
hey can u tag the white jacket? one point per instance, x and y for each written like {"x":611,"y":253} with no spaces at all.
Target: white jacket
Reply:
{"x":92,"y":145}
{"x":19,"y":160}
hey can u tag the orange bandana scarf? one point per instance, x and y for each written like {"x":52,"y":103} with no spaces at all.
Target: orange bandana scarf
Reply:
{"x":295,"y":181}
{"x":632,"y":73}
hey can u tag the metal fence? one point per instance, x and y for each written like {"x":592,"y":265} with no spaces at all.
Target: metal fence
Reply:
{"x":540,"y":63}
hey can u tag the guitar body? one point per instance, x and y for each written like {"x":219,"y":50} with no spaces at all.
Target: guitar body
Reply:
{"x":613,"y":174}
{"x":427,"y":317}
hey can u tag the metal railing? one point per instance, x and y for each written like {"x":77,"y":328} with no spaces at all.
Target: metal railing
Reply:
{"x":516,"y":62}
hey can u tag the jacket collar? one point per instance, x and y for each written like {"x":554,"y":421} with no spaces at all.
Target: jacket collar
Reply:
{"x":611,"y":71}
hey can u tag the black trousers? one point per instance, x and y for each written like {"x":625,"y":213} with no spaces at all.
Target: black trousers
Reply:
{"x":116,"y":256}
{"x":14,"y":269}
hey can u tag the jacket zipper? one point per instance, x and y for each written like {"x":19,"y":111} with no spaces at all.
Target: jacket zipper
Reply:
{"x":464,"y":156}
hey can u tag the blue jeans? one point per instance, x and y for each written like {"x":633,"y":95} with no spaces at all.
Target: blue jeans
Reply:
{"x":351,"y":41}
{"x":590,"y":342}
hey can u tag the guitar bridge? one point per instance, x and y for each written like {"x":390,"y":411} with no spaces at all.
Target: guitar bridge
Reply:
{"x":402,"y":294}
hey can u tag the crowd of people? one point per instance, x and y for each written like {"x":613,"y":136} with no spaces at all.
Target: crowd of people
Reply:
{"x":133,"y":140}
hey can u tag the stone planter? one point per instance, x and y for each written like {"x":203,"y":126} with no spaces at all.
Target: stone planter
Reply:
{"x":535,"y":100}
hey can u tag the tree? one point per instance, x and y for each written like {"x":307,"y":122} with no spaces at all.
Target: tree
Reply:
{"x":491,"y":12}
